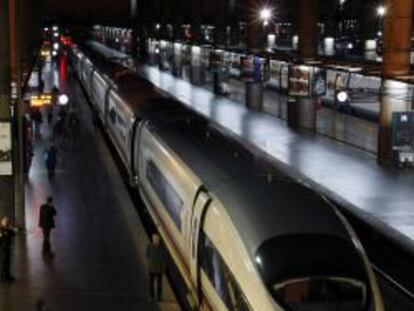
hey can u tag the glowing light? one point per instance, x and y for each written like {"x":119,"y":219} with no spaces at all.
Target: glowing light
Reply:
{"x":342,"y":96}
{"x":265,"y":14}
{"x":63,"y":99}
{"x":54,"y":53}
{"x":56,"y":46}
{"x":381,"y":10}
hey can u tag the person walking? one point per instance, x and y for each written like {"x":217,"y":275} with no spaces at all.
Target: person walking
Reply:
{"x":6,"y":241}
{"x":51,"y":160}
{"x":47,"y":223}
{"x":156,"y":265}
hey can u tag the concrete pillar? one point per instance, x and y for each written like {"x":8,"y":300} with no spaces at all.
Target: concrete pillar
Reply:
{"x":302,"y":111}
{"x":396,"y":62}
{"x":6,"y":182}
{"x":308,"y":17}
{"x":17,"y":102}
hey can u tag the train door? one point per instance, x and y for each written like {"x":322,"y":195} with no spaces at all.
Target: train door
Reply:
{"x":201,"y":204}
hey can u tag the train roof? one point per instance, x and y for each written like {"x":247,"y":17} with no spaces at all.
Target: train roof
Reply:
{"x":262,"y":202}
{"x":139,"y":94}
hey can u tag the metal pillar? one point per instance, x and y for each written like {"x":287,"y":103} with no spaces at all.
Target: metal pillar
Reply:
{"x":196,"y":71}
{"x":255,"y":43}
{"x":220,"y":42}
{"x":6,"y":182}
{"x":396,"y":62}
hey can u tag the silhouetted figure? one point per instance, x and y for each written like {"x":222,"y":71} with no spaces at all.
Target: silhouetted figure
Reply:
{"x":6,"y":241}
{"x":36,"y":116}
{"x":95,"y":120}
{"x":74,"y":124}
{"x":47,"y":223}
{"x":51,"y":160}
{"x":41,"y":86}
{"x":156,"y":265}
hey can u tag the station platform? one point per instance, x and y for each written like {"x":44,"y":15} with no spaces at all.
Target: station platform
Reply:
{"x":358,"y":129}
{"x":99,"y":241}
{"x":380,"y":196}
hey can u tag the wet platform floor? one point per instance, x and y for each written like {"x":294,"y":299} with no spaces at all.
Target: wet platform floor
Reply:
{"x":99,"y":240}
{"x":381,"y":196}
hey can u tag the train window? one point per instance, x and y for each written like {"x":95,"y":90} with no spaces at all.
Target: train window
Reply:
{"x":314,"y":272}
{"x":166,"y":193}
{"x":320,"y":293}
{"x":220,"y":276}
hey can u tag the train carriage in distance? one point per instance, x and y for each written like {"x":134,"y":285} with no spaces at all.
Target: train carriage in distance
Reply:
{"x":243,"y":235}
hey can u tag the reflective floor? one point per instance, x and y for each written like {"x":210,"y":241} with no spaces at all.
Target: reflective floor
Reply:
{"x":382,"y":196}
{"x":99,"y":240}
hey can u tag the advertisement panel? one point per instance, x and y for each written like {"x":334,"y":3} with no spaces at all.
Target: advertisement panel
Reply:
{"x":299,"y":81}
{"x":5,"y":149}
{"x":318,"y":82}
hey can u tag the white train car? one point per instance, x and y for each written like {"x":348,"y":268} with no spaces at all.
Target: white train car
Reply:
{"x":243,"y":236}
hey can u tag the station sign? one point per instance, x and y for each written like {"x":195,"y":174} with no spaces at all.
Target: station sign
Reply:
{"x":40,"y":100}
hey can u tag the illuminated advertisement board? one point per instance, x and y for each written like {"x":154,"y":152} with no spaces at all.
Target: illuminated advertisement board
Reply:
{"x":5,"y":149}
{"x":299,"y":80}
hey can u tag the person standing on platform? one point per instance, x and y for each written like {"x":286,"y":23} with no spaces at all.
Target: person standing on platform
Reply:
{"x":6,"y":240}
{"x":156,"y":265}
{"x":47,"y":223}
{"x":51,"y":160}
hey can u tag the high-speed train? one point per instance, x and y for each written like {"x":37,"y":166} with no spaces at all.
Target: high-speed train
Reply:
{"x":243,"y":235}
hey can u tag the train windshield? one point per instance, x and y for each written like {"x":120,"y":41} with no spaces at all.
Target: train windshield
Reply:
{"x":306,"y":272}
{"x":321,"y":294}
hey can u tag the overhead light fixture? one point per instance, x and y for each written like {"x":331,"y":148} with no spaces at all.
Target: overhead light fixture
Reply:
{"x":342,"y":96}
{"x":381,"y":10}
{"x":265,"y":14}
{"x":63,"y":99}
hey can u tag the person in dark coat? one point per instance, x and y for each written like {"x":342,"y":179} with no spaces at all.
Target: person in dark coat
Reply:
{"x":47,"y":223}
{"x":156,"y":265}
{"x":51,"y":160}
{"x":6,"y":241}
